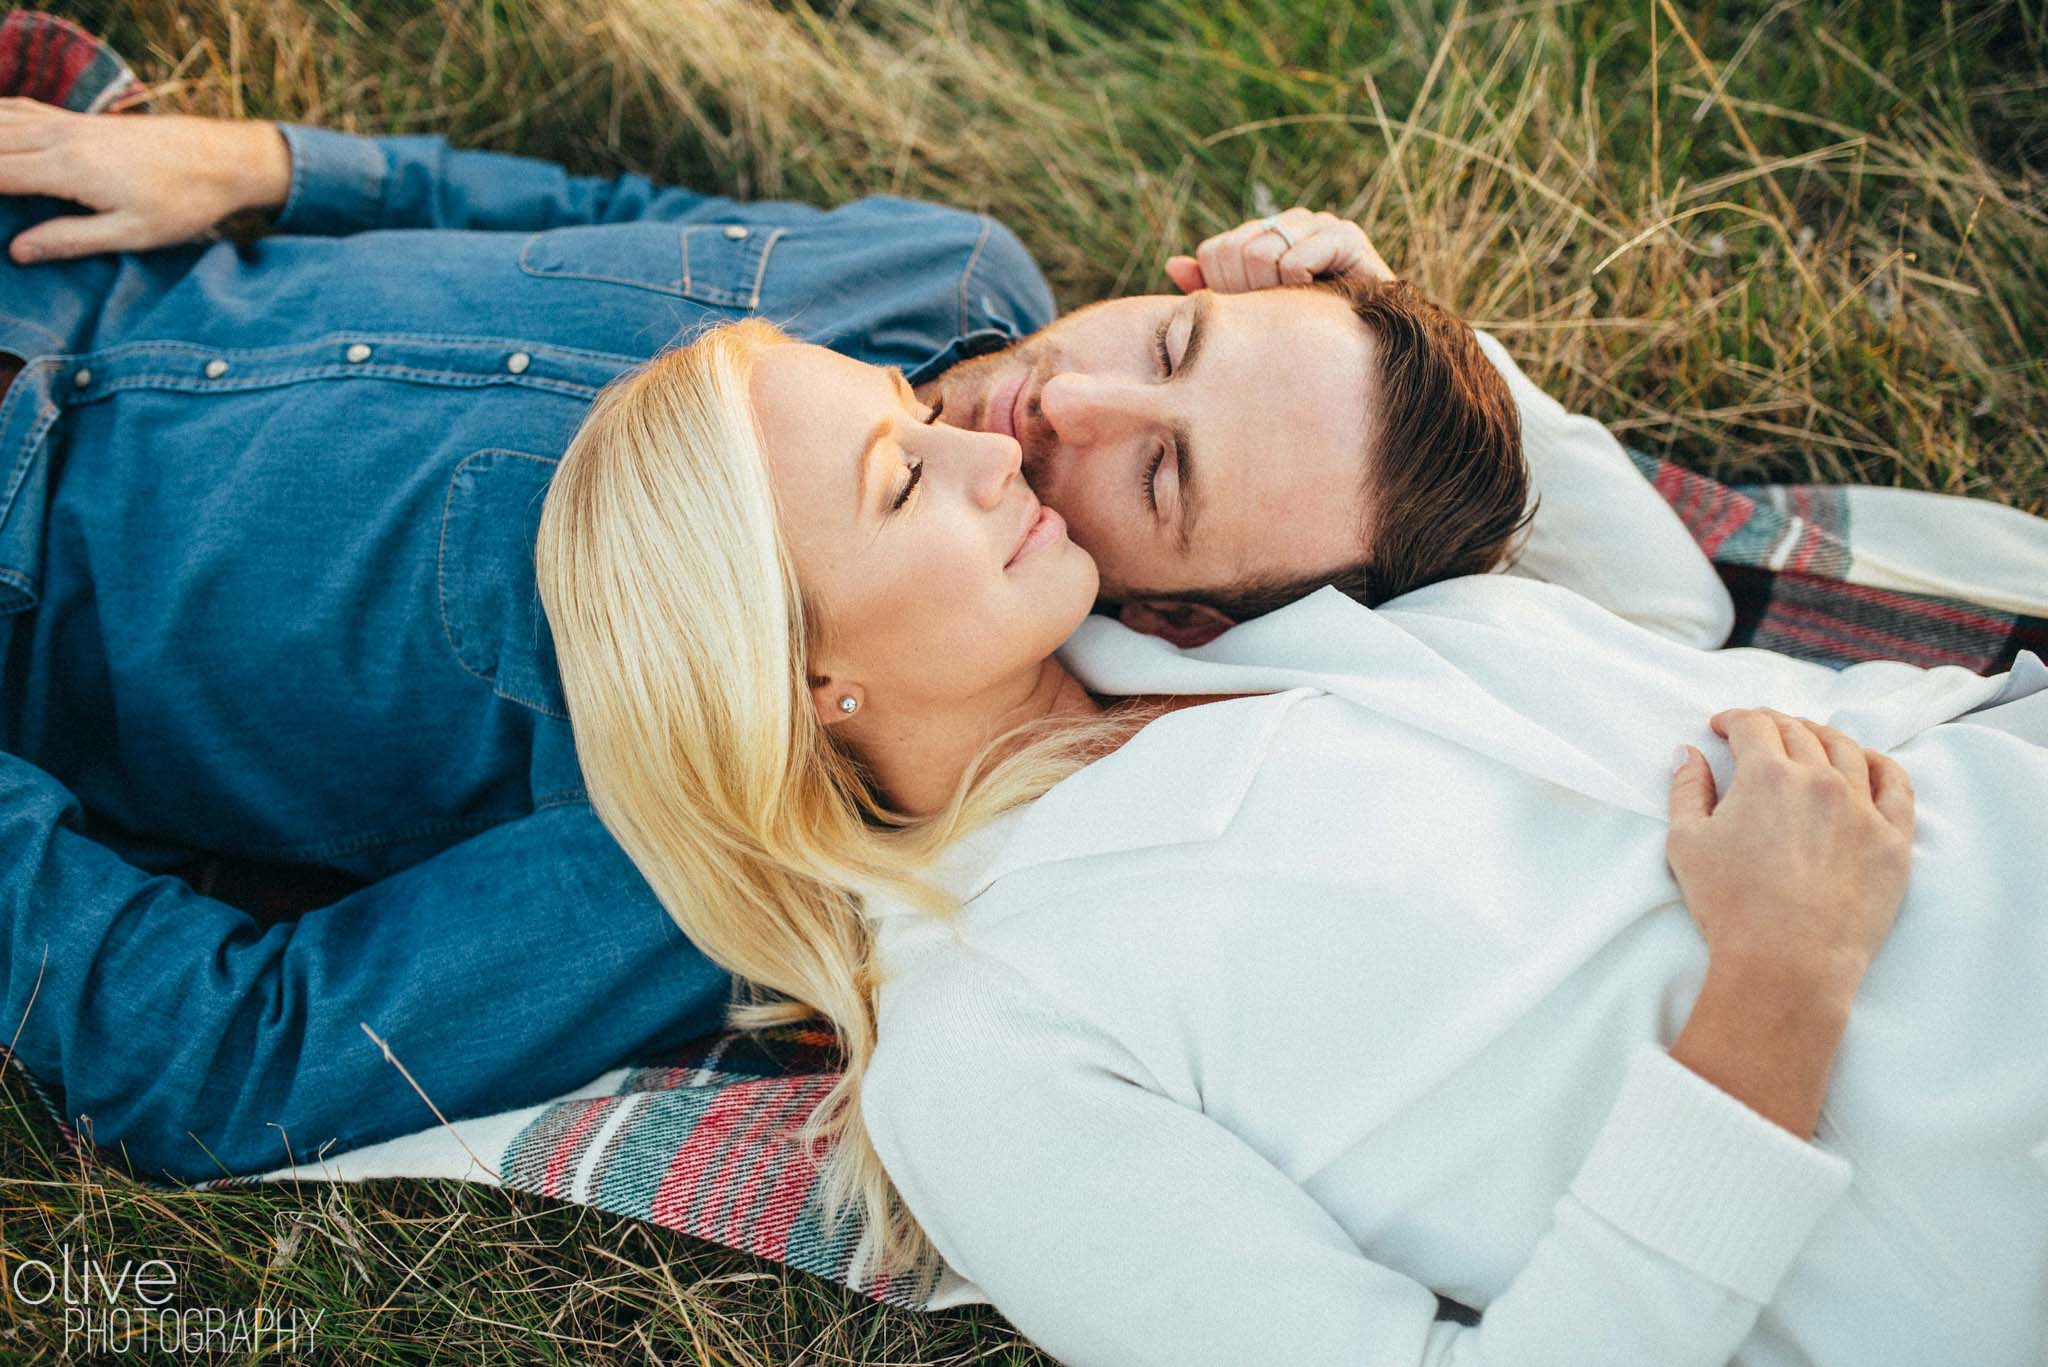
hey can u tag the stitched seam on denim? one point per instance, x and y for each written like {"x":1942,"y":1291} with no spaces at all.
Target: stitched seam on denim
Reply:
{"x":32,"y":324}
{"x":441,"y":580}
{"x":563,"y":797}
{"x":441,"y":568}
{"x":373,"y":840}
{"x":18,"y":393}
{"x":533,"y":703}
{"x":761,"y":270}
{"x":560,"y":273}
{"x":456,"y":378}
{"x":46,"y":417}
{"x":466,"y":340}
{"x":683,"y":237}
{"x":719,"y":294}
{"x":967,"y":276}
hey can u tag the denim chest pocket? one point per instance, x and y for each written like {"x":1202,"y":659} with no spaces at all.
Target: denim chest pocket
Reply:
{"x":721,"y":264}
{"x":490,"y":608}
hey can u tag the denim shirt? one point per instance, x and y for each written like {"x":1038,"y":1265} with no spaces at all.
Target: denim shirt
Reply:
{"x":267,"y":516}
{"x":419,"y":377}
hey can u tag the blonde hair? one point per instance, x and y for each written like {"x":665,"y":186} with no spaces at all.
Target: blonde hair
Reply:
{"x":681,"y":633}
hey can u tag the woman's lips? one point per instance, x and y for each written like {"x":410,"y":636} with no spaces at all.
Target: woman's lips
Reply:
{"x":1044,"y":529}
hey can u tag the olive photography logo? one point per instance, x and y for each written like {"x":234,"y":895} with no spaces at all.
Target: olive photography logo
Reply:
{"x":113,"y":1306}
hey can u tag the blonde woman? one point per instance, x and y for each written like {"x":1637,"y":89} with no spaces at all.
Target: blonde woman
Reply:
{"x":1221,"y":1006}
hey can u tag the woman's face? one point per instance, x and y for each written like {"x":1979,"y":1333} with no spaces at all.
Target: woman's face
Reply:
{"x":938,"y":573}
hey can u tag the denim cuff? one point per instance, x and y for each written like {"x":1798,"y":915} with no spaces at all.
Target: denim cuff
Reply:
{"x":337,"y":182}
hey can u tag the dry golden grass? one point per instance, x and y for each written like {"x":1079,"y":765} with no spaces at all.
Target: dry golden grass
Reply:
{"x":1787,"y":241}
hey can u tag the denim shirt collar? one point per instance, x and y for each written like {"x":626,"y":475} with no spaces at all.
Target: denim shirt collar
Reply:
{"x":979,"y":342}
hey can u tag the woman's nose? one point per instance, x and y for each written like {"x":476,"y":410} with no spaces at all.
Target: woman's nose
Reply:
{"x":988,"y":461}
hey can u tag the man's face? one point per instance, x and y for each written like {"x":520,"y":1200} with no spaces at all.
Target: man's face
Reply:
{"x":1190,"y":442}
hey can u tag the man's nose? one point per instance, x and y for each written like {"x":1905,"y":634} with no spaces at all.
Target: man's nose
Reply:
{"x":1082,"y":409}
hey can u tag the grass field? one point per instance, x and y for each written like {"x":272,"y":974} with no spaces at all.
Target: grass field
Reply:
{"x":1786,"y":241}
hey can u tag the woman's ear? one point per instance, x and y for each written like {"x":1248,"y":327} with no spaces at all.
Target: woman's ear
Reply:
{"x":1184,"y":624}
{"x":833,"y":700}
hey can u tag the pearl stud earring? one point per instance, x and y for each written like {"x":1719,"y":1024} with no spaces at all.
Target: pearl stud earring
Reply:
{"x":849,"y":704}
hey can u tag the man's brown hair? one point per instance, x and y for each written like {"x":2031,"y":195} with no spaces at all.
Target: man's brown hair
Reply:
{"x":1444,"y":472}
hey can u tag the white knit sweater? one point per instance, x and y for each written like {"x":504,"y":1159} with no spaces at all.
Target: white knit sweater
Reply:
{"x":1303,"y":1006}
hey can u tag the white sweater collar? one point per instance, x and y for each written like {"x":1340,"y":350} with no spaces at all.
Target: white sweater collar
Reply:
{"x":1330,"y":642}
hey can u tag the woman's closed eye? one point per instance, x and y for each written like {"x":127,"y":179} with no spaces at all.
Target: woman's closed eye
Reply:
{"x":916,"y":467}
{"x":916,"y":474}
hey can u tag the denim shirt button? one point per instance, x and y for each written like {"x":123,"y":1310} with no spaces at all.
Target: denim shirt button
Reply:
{"x":517,"y":362}
{"x":216,"y":368}
{"x":81,"y":377}
{"x":359,"y":352}
{"x":735,"y":232}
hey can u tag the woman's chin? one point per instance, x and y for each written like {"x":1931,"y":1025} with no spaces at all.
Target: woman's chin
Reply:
{"x":1072,"y":584}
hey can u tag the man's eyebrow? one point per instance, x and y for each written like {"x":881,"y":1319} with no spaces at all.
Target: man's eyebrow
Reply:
{"x":1185,"y":534}
{"x":1205,"y":307}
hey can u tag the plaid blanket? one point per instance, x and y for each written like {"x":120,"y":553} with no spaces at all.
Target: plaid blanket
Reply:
{"x":700,"y":1141}
{"x":1793,"y":565}
{"x":57,"y":62}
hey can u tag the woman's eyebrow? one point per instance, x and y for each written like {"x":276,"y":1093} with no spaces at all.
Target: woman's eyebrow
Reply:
{"x":864,"y":469}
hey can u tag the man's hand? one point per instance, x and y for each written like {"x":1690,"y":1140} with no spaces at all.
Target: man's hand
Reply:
{"x":151,"y":181}
{"x":1800,"y":867}
{"x":1252,"y":256}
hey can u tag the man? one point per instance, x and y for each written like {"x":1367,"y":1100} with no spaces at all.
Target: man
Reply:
{"x":265,"y":564}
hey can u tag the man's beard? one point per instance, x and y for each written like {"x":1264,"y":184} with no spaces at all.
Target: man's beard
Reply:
{"x":986,"y":373}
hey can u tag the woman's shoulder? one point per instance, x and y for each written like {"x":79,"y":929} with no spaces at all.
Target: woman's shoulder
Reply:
{"x":961,"y":1024}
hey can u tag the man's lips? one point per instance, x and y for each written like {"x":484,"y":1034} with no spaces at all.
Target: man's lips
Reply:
{"x":1000,"y":414}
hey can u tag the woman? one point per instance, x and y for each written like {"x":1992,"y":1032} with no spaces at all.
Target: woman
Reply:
{"x":1168,"y":1020}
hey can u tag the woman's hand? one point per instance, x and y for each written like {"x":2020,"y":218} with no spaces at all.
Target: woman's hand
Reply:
{"x":151,"y":180}
{"x":1799,"y":868}
{"x":1794,"y":876}
{"x":1252,"y":256}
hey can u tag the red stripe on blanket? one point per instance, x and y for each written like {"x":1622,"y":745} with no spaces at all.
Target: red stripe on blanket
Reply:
{"x":717,"y":1145}
{"x":1682,"y":490}
{"x":789,"y":1171}
{"x":50,"y":54}
{"x":1919,"y":605}
{"x":1739,"y":510}
{"x":1671,"y":482}
{"x":759,"y":1156}
{"x":1831,"y":629}
{"x":1809,"y":542}
{"x":558,"y":1161}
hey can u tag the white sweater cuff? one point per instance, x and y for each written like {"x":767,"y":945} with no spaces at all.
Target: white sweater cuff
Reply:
{"x":1687,"y":1169}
